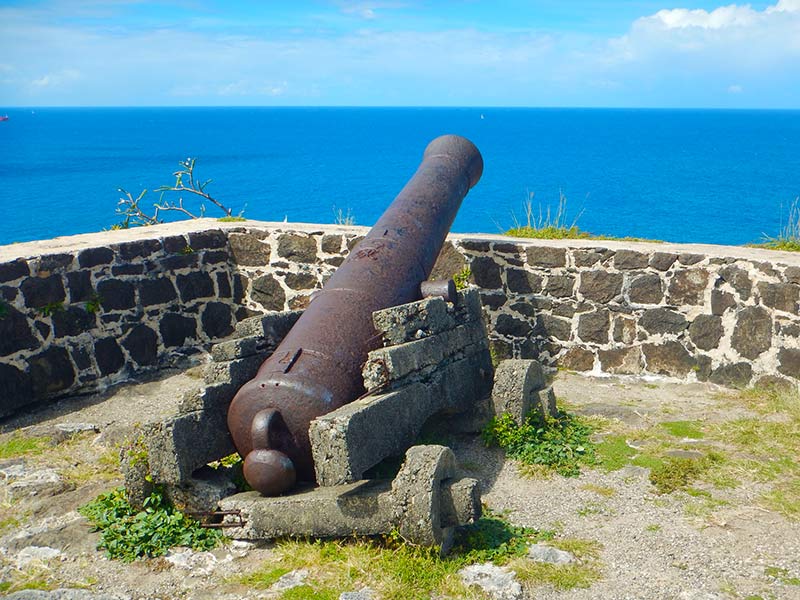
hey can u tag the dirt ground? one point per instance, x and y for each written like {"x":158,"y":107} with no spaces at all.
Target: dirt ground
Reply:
{"x":705,"y":541}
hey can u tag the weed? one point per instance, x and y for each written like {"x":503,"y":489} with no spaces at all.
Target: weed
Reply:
{"x":22,"y":445}
{"x":341,"y":217}
{"x":789,"y":236}
{"x":560,"y":443}
{"x":231,"y":219}
{"x":263,"y":579}
{"x":461,"y":279}
{"x":683,"y":429}
{"x":547,"y":225}
{"x":653,"y":527}
{"x":187,"y":249}
{"x":128,"y":534}
{"x":675,"y":473}
{"x":781,"y":575}
{"x":94,"y":303}
{"x":600,"y":490}
{"x":785,"y":499}
{"x":49,"y":309}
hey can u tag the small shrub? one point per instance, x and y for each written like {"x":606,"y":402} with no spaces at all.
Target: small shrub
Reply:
{"x":561,"y":443}
{"x":461,"y":279}
{"x":50,"y":309}
{"x":128,"y":534}
{"x":94,"y":303}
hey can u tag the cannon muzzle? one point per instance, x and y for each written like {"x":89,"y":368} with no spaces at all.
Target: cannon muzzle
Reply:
{"x":317,"y":367}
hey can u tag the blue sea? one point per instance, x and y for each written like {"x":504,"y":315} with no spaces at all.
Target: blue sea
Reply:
{"x":726,"y":177}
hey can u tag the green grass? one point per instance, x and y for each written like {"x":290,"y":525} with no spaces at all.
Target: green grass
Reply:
{"x":231,"y":219}
{"x":781,"y":575}
{"x":684,"y":429}
{"x":788,"y":238}
{"x":560,"y":444}
{"x":22,"y":445}
{"x":128,"y":534}
{"x":401,"y":571}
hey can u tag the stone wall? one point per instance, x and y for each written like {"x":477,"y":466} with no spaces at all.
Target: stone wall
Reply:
{"x":80,"y":312}
{"x":710,"y":313}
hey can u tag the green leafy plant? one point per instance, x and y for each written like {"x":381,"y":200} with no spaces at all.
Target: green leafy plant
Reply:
{"x":461,"y":279}
{"x":94,"y":303}
{"x":49,"y":309}
{"x":128,"y":533}
{"x":132,"y":213}
{"x":560,"y":444}
{"x":187,"y":249}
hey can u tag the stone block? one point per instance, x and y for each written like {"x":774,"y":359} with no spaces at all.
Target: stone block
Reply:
{"x":662,"y":261}
{"x":15,"y":332}
{"x":423,"y":503}
{"x":194,"y":285}
{"x":520,"y":281}
{"x":272,"y":326}
{"x":51,"y":371}
{"x":344,"y":444}
{"x":662,"y":320}
{"x":515,"y":385}
{"x":301,"y":281}
{"x":16,"y":389}
{"x":736,"y":375}
{"x":623,"y":361}
{"x":789,"y":362}
{"x":203,"y":240}
{"x":216,"y":320}
{"x":108,"y":355}
{"x":175,"y":328}
{"x":688,"y":287}
{"x":41,"y":291}
{"x":298,"y":248}
{"x":239,"y":348}
{"x":94,"y":257}
{"x":267,"y":291}
{"x":669,"y":358}
{"x":739,"y":279}
{"x":706,"y":331}
{"x":630,"y":259}
{"x":141,"y":342}
{"x":71,"y":321}
{"x":331,"y":244}
{"x":237,"y":372}
{"x":781,"y":296}
{"x":14,"y":270}
{"x":577,"y":359}
{"x":413,"y":321}
{"x":600,"y":286}
{"x":485,"y":273}
{"x":545,"y":257}
{"x":646,"y":289}
{"x":560,"y":286}
{"x":586,"y":258}
{"x":80,"y":286}
{"x":752,"y":335}
{"x":156,"y":291}
{"x":115,"y":294}
{"x":721,"y":301}
{"x":594,"y":326}
{"x":553,"y":327}
{"x":138,"y":249}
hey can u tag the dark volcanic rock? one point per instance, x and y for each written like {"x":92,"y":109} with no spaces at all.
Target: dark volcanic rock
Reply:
{"x":203,"y":240}
{"x":593,"y":327}
{"x":485,"y":273}
{"x":142,"y":344}
{"x":332,"y":244}
{"x":508,"y":325}
{"x":301,"y":281}
{"x":622,"y":361}
{"x":108,"y":355}
{"x":115,"y":294}
{"x":15,"y":332}
{"x":223,"y":285}
{"x":248,"y":250}
{"x":577,"y":359}
{"x":268,"y":292}
{"x":669,"y":358}
{"x":520,"y":281}
{"x":137,"y":249}
{"x":156,"y":291}
{"x":196,"y":284}
{"x":72,"y":320}
{"x":753,"y":332}
{"x":217,"y":320}
{"x":739,"y":279}
{"x":630,"y":259}
{"x":550,"y":326}
{"x":646,"y":289}
{"x":781,"y":296}
{"x":662,"y":261}
{"x":736,"y":375}
{"x":176,"y":328}
{"x":494,"y":300}
{"x":297,"y":248}
{"x":93,"y":257}
{"x":624,"y":329}
{"x":16,"y":389}
{"x":14,"y":270}
{"x":41,"y":291}
{"x":560,"y":286}
{"x":688,"y":286}
{"x":51,"y":371}
{"x":706,"y":331}
{"x":721,"y":301}
{"x":546,"y":257}
{"x":662,"y":320}
{"x":789,"y":362}
{"x":600,"y":286}
{"x":449,"y":262}
{"x":80,"y":286}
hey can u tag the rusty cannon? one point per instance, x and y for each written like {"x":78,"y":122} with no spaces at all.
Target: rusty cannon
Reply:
{"x":317,"y":366}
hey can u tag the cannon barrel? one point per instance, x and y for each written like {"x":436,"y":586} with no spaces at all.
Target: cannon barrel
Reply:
{"x":317,"y":367}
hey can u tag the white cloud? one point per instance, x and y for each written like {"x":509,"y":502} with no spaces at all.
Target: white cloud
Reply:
{"x":56,"y":79}
{"x":735,"y":89}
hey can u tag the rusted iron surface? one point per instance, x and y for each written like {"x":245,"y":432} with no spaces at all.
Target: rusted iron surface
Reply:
{"x":445,"y":289}
{"x":317,"y":367}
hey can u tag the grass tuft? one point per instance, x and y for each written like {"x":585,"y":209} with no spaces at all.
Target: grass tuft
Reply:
{"x":23,"y":445}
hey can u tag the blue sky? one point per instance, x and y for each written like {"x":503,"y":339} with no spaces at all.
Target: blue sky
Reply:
{"x":619,"y":53}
